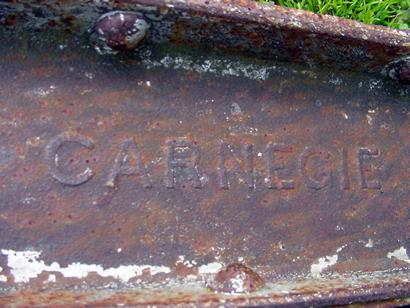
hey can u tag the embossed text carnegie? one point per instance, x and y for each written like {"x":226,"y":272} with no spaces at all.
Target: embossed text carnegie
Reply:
{"x":315,"y":167}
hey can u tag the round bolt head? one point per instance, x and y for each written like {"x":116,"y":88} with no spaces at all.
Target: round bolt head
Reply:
{"x":119,"y":30}
{"x":236,"y":279}
{"x":399,"y":70}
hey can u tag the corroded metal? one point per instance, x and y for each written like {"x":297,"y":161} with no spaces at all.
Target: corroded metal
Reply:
{"x":174,"y":175}
{"x":119,"y":30}
{"x":236,"y":278}
{"x":274,"y":32}
{"x":245,"y":26}
{"x":399,"y":70}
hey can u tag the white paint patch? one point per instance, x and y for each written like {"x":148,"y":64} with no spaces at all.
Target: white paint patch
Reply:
{"x":187,"y":263}
{"x":2,"y":277}
{"x":43,"y":92}
{"x":25,"y":265}
{"x":369,"y":119}
{"x":89,"y":75}
{"x":28,"y":200}
{"x":323,"y":263}
{"x":400,"y":254}
{"x":341,"y":248}
{"x":224,"y":67}
{"x":235,"y":109}
{"x":210,"y":268}
{"x":335,"y":80}
{"x":190,"y":278}
{"x":369,"y":243}
{"x":238,"y":284}
{"x":52,"y":278}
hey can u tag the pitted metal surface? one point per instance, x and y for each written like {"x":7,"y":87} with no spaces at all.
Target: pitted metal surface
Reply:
{"x":244,"y":27}
{"x":174,"y":175}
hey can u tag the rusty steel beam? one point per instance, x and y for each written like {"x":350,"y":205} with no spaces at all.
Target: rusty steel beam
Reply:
{"x":248,"y":27}
{"x":275,"y":32}
{"x":177,"y":174}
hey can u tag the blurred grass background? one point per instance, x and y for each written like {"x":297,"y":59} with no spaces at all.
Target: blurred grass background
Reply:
{"x":391,"y":13}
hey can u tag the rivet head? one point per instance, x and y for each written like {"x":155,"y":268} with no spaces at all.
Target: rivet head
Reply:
{"x":399,"y":70}
{"x":119,"y":30}
{"x":236,"y":278}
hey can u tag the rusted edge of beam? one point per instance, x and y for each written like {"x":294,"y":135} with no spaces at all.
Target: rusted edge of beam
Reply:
{"x":242,"y":26}
{"x":327,"y":292}
{"x":270,"y":31}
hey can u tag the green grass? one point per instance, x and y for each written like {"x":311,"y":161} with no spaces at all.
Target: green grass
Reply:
{"x":391,"y":13}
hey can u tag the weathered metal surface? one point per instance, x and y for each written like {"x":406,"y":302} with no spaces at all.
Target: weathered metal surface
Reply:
{"x":245,"y":26}
{"x":275,"y":32}
{"x":135,"y":178}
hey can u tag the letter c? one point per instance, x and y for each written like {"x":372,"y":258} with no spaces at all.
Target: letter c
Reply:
{"x":53,"y":163}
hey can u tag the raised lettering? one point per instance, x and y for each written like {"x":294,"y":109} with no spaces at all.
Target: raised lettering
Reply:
{"x":344,"y":172}
{"x":365,"y":154}
{"x":323,"y":174}
{"x":184,"y":156}
{"x":54,"y":163}
{"x":273,"y":166}
{"x":225,"y":150}
{"x":123,"y":164}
